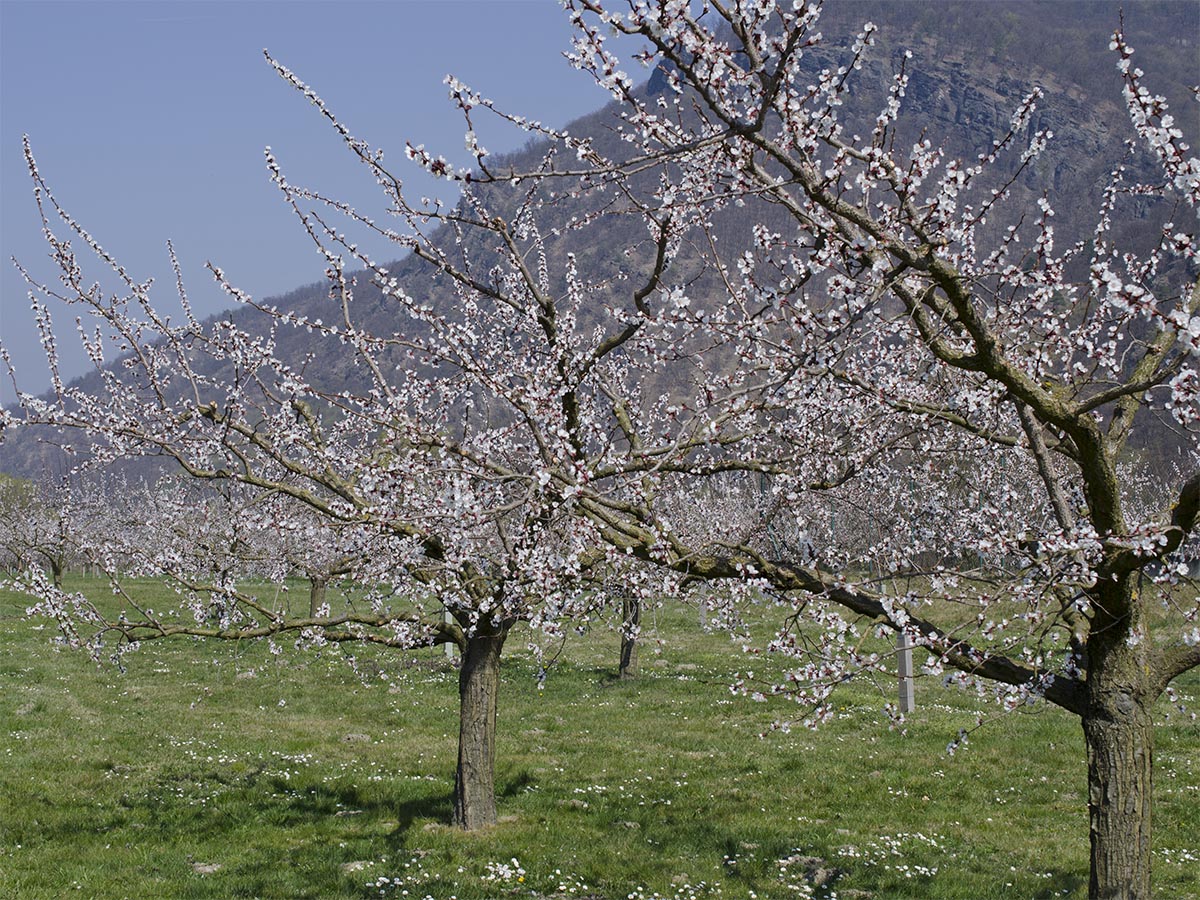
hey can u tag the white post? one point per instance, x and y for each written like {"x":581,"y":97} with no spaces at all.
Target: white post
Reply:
{"x":905,"y":668}
{"x":449,"y":644}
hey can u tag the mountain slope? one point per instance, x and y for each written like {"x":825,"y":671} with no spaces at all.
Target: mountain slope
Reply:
{"x":972,"y":64}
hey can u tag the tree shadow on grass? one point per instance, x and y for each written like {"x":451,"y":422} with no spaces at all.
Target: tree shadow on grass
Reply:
{"x":276,"y":803}
{"x":439,"y":807}
{"x":286,"y":803}
{"x":1063,"y":884}
{"x":515,"y":785}
{"x":331,"y":835}
{"x":325,"y":799}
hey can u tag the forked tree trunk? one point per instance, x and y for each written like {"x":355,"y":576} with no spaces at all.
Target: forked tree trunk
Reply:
{"x":631,"y":618}
{"x":1119,"y":731}
{"x":316,"y":594}
{"x":478,"y":686}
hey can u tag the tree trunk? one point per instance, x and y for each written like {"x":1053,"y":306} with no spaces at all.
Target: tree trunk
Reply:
{"x":631,"y":617}
{"x":1119,"y":731}
{"x":56,"y":571}
{"x":478,"y":686}
{"x":316,"y":594}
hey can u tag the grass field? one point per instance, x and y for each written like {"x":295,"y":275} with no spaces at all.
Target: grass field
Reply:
{"x":216,"y":771}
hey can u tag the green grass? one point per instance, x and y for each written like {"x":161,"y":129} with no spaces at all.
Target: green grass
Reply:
{"x":301,"y":780}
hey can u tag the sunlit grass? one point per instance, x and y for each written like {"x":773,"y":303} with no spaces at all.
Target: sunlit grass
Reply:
{"x":214,"y":770}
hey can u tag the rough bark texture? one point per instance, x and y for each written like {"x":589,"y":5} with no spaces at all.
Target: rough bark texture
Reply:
{"x":1120,"y":750}
{"x":631,"y":617}
{"x":1119,"y":731}
{"x":478,"y":686}
{"x":316,"y":594}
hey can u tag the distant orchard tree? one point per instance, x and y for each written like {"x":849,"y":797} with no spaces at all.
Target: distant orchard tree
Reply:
{"x":34,"y":523}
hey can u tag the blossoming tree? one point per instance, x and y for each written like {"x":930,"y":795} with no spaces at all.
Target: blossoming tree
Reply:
{"x":1022,"y":370}
{"x":31,"y":517}
{"x":440,"y":460}
{"x":872,"y":343}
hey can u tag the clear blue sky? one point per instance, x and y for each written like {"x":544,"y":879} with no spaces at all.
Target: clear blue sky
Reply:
{"x":149,"y":121}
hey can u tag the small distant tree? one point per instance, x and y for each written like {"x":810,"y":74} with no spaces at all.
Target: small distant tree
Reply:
{"x":306,"y":545}
{"x":18,"y":496}
{"x":628,"y":595}
{"x":34,"y":528}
